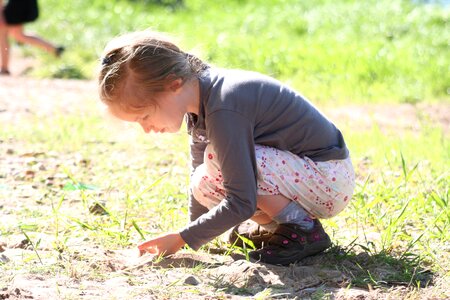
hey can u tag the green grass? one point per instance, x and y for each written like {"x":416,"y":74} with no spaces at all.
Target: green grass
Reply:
{"x":340,"y":51}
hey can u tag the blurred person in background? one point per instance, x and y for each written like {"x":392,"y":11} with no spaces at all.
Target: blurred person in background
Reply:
{"x":14,"y":14}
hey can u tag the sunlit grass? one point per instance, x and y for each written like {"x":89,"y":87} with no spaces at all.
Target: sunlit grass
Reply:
{"x":345,"y":51}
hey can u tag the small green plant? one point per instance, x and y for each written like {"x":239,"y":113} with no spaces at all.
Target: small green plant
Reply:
{"x":33,"y":245}
{"x":245,"y":250}
{"x":138,"y":229}
{"x":57,"y":243}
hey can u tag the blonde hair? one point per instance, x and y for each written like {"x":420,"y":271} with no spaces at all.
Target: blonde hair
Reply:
{"x":143,"y":63}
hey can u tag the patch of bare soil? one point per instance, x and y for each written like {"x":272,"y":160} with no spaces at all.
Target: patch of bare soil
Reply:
{"x":82,"y":271}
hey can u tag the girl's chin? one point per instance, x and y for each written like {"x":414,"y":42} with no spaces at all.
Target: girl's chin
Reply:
{"x":173,"y":129}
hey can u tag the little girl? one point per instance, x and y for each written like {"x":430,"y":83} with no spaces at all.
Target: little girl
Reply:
{"x":259,"y":149}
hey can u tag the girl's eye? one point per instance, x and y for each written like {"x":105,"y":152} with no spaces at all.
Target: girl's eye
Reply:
{"x":145,"y":117}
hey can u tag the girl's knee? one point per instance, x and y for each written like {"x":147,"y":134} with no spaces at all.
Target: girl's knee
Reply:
{"x":204,"y":188}
{"x":196,"y":183}
{"x":210,"y":161}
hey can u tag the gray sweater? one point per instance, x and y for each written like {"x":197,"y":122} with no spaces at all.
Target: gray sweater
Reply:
{"x":239,"y":109}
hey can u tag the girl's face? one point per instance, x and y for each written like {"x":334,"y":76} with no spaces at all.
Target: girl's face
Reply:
{"x":166,"y":116}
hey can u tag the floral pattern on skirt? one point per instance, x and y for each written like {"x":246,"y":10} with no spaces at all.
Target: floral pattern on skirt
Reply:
{"x":323,"y":189}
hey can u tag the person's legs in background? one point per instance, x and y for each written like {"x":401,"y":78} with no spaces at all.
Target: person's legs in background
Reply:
{"x":4,"y":49}
{"x":17,"y":32}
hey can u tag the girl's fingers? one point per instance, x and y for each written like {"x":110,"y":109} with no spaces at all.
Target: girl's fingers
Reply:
{"x":148,"y":247}
{"x":148,"y":250}
{"x":145,"y":245}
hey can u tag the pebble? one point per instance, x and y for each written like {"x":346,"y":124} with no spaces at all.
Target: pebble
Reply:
{"x":2,"y":247}
{"x":191,"y":280}
{"x":98,"y":209}
{"x":4,"y":259}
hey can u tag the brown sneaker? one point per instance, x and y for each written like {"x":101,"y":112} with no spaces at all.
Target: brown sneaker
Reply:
{"x":290,"y":243}
{"x":249,"y":230}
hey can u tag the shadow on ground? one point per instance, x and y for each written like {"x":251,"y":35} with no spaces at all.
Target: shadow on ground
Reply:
{"x":359,"y":273}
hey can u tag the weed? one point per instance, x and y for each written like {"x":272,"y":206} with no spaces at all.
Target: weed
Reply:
{"x":34,"y":246}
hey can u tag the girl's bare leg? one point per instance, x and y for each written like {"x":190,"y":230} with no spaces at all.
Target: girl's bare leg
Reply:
{"x":262,"y":219}
{"x":272,"y":205}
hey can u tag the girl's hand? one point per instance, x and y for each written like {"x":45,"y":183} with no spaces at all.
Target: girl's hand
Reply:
{"x":163,"y":245}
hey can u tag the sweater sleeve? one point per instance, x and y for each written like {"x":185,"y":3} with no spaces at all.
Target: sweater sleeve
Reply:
{"x":231,"y":136}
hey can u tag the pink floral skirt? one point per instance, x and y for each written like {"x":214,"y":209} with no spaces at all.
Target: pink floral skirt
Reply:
{"x":323,"y":189}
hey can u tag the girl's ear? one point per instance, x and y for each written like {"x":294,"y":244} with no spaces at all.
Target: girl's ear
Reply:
{"x":175,"y":85}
